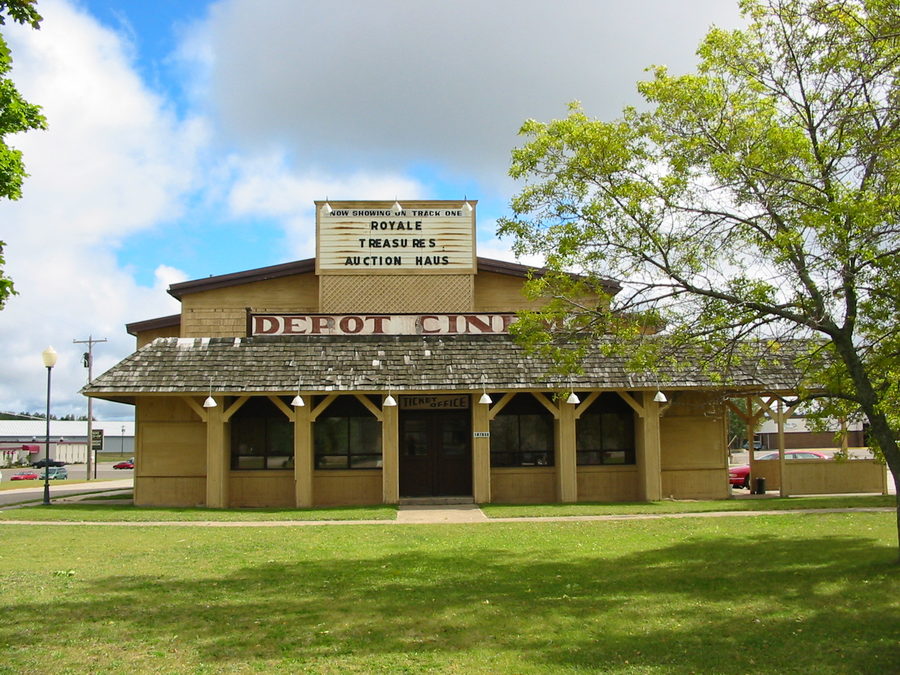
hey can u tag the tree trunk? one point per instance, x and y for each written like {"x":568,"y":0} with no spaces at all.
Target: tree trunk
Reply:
{"x":870,"y":404}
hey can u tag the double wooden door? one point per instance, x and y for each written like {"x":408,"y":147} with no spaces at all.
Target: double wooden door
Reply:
{"x":435,"y":453}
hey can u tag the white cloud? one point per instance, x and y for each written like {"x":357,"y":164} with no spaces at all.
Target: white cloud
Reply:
{"x":352,"y":84}
{"x":267,"y":186}
{"x":114,"y":161}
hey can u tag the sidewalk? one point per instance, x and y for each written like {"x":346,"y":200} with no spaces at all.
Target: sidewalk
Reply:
{"x":433,"y":514}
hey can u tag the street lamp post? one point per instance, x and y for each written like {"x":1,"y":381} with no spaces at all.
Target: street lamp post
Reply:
{"x":49,"y":357}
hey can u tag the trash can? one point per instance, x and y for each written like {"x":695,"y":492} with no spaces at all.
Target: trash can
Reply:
{"x":760,"y":486}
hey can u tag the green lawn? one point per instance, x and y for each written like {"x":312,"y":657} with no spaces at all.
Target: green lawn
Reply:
{"x":118,"y":513}
{"x":791,"y":593}
{"x":126,"y":513}
{"x":689,"y":506}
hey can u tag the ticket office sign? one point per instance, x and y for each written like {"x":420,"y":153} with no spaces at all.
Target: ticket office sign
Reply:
{"x":412,"y":240}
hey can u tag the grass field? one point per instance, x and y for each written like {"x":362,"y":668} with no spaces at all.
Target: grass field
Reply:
{"x":791,"y":593}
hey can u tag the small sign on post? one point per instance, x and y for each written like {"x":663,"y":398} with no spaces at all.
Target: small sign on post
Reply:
{"x":96,"y":440}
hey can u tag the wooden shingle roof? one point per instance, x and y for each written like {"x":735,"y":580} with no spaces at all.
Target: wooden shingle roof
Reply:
{"x":272,"y":364}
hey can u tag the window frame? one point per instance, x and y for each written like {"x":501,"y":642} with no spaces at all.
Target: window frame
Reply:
{"x":523,"y":408}
{"x":270,"y":421}
{"x":607,"y":404}
{"x":348,"y":412}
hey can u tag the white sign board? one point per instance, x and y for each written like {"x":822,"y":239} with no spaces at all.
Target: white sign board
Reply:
{"x":436,"y":237}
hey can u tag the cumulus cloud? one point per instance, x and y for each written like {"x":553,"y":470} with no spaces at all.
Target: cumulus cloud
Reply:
{"x":115,"y":161}
{"x":389,"y":84}
{"x":268,"y":186}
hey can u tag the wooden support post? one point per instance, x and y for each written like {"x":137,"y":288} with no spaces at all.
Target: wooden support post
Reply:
{"x":648,"y":450}
{"x":217,"y":457}
{"x":303,"y":458}
{"x":566,"y":469}
{"x":481,"y":453}
{"x":781,"y":417}
{"x":390,"y":454}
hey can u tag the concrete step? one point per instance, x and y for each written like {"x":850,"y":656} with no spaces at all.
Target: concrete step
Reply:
{"x":434,"y":501}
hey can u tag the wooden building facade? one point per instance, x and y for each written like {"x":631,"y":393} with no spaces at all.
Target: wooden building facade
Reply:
{"x":383,"y":369}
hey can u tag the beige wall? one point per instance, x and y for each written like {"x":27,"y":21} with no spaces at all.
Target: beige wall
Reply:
{"x":528,"y":485}
{"x":170,"y":454}
{"x":255,"y":489}
{"x":223,"y":312}
{"x":148,"y":336}
{"x":346,"y":488}
{"x":500,"y":293}
{"x":823,"y":476}
{"x":608,"y":484}
{"x":693,"y":453}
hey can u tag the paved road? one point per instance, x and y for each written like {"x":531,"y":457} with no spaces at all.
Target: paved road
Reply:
{"x":107,"y":479}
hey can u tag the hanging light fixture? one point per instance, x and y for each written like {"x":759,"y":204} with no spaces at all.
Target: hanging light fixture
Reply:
{"x":660,"y":397}
{"x":389,"y":401}
{"x":572,"y":399}
{"x":326,"y":208}
{"x":210,"y":402}
{"x":466,"y":207}
{"x":297,"y":401}
{"x":485,"y":399}
{"x":396,"y":208}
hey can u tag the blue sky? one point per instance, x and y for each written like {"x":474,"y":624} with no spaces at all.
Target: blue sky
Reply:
{"x":189,"y":138}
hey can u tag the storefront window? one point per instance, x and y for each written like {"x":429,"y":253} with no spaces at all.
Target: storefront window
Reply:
{"x":261,"y":437}
{"x":522,"y":434}
{"x":605,"y":432}
{"x":347,"y":436}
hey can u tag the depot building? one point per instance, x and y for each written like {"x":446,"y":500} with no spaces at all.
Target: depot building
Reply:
{"x":383,"y":369}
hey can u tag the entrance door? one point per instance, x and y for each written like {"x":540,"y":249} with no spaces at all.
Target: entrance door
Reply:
{"x":435,"y":454}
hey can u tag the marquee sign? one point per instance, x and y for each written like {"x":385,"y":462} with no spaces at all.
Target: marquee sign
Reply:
{"x":379,"y":324}
{"x":421,"y":237}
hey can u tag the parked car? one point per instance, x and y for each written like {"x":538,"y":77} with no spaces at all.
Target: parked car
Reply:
{"x":41,"y":463}
{"x":24,"y":475}
{"x":739,"y":476}
{"x":55,"y":473}
{"x":127,"y":464}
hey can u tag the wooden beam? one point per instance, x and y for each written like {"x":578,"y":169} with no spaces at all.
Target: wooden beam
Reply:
{"x":637,"y":407}
{"x":371,"y":407}
{"x":547,"y":403}
{"x":322,"y":407}
{"x":196,"y":407}
{"x":500,"y":405}
{"x":586,"y":403}
{"x":234,"y":407}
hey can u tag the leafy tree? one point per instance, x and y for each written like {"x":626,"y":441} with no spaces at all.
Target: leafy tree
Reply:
{"x":751,"y":205}
{"x":16,"y":115}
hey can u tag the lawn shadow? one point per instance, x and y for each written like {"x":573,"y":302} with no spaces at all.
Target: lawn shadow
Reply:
{"x":701,"y":604}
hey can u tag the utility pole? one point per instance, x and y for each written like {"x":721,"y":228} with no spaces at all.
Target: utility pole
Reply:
{"x":89,"y":364}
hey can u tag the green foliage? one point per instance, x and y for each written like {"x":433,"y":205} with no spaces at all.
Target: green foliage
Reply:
{"x":751,"y":205}
{"x":16,"y":116}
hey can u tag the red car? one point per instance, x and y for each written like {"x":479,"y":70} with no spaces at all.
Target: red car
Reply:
{"x":24,"y":475}
{"x":124,"y":465}
{"x":739,"y":476}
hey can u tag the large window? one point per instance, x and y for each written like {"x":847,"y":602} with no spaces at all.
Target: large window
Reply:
{"x":522,"y":434}
{"x":262,"y":437}
{"x":347,"y":436}
{"x":605,"y":432}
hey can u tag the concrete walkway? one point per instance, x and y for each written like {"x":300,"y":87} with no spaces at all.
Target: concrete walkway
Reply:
{"x":421,"y":514}
{"x":441,"y":513}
